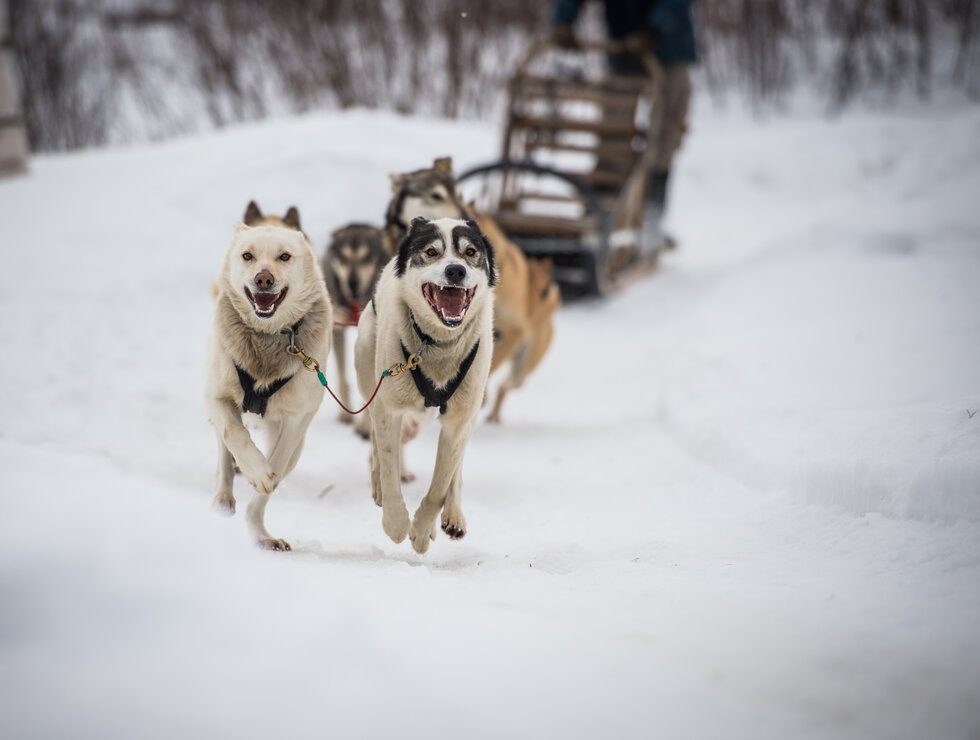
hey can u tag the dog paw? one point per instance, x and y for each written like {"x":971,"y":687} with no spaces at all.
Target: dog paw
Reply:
{"x":454,"y":526}
{"x":224,"y":504}
{"x":264,"y":481}
{"x":421,"y":535}
{"x":395,"y":524}
{"x":270,"y":543}
{"x":376,"y":495}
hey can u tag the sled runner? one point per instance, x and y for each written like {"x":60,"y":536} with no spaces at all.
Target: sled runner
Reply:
{"x":571,"y":184}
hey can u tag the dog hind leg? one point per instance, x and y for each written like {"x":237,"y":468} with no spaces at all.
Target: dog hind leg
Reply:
{"x":541,"y":336}
{"x":287,"y":444}
{"x":510,"y":335}
{"x":515,"y":379}
{"x":411,"y":424}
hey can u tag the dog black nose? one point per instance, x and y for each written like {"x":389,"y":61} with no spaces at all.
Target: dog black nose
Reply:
{"x":352,"y":285}
{"x":264,"y":280}
{"x":455,"y":274}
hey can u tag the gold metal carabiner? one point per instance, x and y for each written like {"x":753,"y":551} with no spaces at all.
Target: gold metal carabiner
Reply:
{"x":398,"y":368}
{"x":308,"y":362}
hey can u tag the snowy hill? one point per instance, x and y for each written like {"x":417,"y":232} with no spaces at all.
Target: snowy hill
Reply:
{"x":740,"y":499}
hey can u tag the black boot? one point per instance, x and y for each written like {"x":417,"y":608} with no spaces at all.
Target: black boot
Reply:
{"x":658,"y":204}
{"x":658,"y":189}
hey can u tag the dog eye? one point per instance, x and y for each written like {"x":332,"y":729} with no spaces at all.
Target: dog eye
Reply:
{"x":470,"y":252}
{"x":432,"y":252}
{"x":437,"y":196}
{"x":247,"y":256}
{"x":285,"y":256}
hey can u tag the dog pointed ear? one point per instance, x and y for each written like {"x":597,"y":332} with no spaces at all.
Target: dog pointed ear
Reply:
{"x":487,"y":250}
{"x":291,"y":218}
{"x":396,"y":181}
{"x":252,"y":213}
{"x":239,"y":226}
{"x":444,"y":164}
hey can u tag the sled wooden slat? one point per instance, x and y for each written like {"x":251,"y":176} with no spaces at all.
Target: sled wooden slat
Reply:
{"x":623,"y":129}
{"x":552,"y":198}
{"x":601,"y":178}
{"x":527,"y":224}
{"x":623,"y":153}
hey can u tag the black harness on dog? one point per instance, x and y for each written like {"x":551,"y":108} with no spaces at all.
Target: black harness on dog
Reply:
{"x":434,"y":397}
{"x":256,"y":401}
{"x":439,"y":397}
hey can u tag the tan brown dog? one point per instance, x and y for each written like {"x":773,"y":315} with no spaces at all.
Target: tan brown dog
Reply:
{"x":523,"y":309}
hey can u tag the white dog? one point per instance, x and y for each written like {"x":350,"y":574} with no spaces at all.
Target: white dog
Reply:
{"x":271,"y":296}
{"x":433,"y":304}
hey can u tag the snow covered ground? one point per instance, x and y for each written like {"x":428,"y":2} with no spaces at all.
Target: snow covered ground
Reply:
{"x":740,"y":499}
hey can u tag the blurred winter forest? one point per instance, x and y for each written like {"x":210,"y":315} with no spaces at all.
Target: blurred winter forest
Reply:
{"x":94,"y":72}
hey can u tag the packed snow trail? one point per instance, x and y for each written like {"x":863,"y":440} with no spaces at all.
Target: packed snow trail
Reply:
{"x":739,"y":499}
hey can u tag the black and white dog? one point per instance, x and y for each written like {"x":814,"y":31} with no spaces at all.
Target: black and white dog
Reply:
{"x":433,"y":300}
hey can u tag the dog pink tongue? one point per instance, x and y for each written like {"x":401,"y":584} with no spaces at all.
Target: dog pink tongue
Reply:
{"x":451,"y":301}
{"x":265,"y":301}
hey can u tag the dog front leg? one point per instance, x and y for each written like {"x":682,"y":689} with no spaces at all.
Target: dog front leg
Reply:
{"x":449,"y":457}
{"x":453,"y":521}
{"x":227,"y":420}
{"x":387,"y":438}
{"x":224,"y":497}
{"x":375,"y":463}
{"x":287,"y":444}
{"x":343,"y":388}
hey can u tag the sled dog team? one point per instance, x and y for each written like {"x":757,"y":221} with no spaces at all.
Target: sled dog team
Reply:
{"x":440,"y":298}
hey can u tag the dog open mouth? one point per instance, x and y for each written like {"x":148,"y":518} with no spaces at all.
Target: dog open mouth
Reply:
{"x":449,"y":303}
{"x":265,"y":304}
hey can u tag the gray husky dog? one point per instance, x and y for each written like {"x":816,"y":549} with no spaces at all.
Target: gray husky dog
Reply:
{"x":270,"y":297}
{"x":351,"y":266}
{"x":433,"y":309}
{"x":429,"y":193}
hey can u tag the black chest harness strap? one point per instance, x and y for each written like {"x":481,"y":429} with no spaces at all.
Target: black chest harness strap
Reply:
{"x":256,"y":401}
{"x":432,"y":396}
{"x":439,"y":397}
